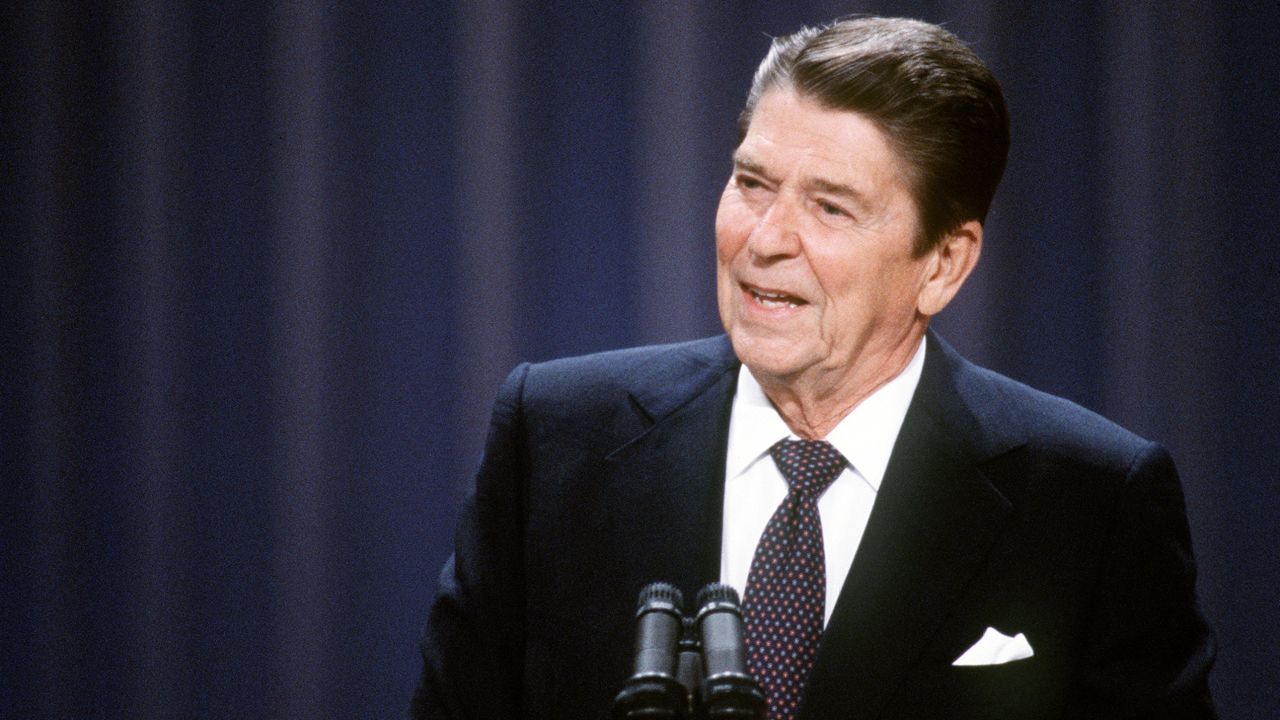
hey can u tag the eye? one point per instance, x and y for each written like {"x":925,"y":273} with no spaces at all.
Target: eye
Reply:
{"x":832,"y":210}
{"x":747,"y":182}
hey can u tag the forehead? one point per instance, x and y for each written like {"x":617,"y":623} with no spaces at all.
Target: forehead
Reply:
{"x":798,"y":128}
{"x":791,"y":134}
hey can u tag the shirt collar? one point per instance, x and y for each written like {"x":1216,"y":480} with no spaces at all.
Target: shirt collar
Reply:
{"x":865,"y":437}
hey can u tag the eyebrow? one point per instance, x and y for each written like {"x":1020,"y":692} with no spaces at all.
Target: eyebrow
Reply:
{"x":835,"y":188}
{"x":816,"y":183}
{"x":755,"y":168}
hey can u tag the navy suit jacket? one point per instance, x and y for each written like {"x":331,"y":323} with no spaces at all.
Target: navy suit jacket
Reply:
{"x":1001,"y":507}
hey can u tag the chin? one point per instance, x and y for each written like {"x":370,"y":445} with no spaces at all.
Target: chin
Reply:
{"x":774,"y":357}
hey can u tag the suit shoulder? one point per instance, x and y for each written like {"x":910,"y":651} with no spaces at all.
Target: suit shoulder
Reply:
{"x":620,"y":366}
{"x":1047,"y":422}
{"x":624,"y":368}
{"x":657,"y":377}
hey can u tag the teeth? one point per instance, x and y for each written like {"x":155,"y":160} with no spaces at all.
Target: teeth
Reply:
{"x":773,"y":300}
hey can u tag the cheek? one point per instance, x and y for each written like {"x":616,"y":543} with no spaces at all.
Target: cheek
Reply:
{"x":733,"y":226}
{"x":726,"y":248}
{"x":859,"y":287}
{"x":887,"y":294}
{"x":845,"y":279}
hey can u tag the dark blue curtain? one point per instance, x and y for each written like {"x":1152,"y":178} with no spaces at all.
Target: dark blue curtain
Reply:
{"x":264,"y":265}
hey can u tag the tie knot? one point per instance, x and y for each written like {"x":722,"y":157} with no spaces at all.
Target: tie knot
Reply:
{"x":809,"y":466}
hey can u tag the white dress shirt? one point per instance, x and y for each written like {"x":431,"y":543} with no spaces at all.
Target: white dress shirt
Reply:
{"x":754,"y":487}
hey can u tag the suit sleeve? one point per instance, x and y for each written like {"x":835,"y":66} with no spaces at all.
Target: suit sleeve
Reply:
{"x":1148,"y":650}
{"x":472,"y":649}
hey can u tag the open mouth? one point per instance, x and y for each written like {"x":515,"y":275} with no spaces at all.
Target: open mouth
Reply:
{"x":773,"y":298}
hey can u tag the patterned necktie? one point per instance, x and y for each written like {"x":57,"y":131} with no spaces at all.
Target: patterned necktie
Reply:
{"x":787,"y":585}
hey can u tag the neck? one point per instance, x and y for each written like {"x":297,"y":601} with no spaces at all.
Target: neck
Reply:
{"x":813,"y":409}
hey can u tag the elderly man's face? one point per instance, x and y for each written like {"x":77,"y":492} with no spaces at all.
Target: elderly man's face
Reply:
{"x":816,"y":280}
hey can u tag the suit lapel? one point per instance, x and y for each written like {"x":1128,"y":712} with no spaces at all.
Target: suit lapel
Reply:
{"x":670,"y":476}
{"x":935,"y":518}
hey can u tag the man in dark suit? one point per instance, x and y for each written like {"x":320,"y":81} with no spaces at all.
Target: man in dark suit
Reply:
{"x":982,"y":550}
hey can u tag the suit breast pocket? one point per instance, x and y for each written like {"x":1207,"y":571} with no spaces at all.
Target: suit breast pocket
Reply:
{"x":1017,"y":689}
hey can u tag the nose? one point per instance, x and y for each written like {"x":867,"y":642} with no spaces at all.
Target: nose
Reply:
{"x":777,"y":232}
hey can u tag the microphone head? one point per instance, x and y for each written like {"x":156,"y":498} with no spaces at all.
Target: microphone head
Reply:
{"x":718,"y":596}
{"x":660,"y":596}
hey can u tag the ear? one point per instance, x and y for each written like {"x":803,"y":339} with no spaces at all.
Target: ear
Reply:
{"x":948,"y":266}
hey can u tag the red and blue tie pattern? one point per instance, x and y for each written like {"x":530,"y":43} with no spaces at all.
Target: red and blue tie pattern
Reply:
{"x":787,"y":586}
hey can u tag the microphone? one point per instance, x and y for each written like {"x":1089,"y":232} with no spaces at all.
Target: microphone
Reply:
{"x":728,"y":691}
{"x":652,"y":692}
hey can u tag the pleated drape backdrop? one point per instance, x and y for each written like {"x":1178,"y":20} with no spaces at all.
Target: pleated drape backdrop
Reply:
{"x":264,"y":265}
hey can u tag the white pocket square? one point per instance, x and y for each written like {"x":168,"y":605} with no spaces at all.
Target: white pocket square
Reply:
{"x":996,"y":648}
